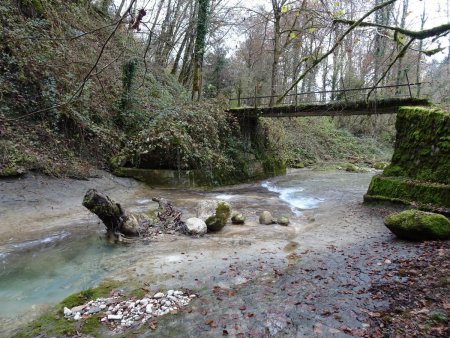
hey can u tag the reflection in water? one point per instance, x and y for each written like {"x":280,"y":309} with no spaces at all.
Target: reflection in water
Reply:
{"x":47,"y":272}
{"x":225,"y":197}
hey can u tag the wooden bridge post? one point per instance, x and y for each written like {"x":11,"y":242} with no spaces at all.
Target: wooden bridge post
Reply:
{"x":256,"y":93}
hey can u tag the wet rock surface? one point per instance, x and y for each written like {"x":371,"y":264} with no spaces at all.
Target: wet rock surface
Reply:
{"x":265,"y":218}
{"x":311,"y":279}
{"x":196,"y":226}
{"x":418,"y":290}
{"x":325,"y":292}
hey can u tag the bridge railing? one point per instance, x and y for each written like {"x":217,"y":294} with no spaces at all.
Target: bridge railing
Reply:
{"x":329,"y":96}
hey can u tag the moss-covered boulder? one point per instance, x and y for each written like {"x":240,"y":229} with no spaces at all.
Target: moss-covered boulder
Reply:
{"x":350,"y":167}
{"x":238,"y":218}
{"x":283,"y":220}
{"x":416,"y":225}
{"x":220,"y":218}
{"x":380,"y":165}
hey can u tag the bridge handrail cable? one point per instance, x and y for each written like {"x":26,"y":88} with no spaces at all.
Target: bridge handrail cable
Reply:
{"x":330,"y":91}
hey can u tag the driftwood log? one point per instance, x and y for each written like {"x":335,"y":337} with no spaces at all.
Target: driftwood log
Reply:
{"x":122,"y":223}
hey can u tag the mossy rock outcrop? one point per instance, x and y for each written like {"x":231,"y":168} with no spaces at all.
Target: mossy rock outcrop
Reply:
{"x":416,"y":225}
{"x":422,"y":147}
{"x":425,"y":195}
{"x":419,"y":173}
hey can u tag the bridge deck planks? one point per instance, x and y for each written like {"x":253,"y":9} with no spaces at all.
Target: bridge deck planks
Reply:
{"x":387,"y":106}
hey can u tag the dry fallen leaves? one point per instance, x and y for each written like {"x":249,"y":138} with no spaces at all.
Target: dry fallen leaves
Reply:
{"x":211,"y":323}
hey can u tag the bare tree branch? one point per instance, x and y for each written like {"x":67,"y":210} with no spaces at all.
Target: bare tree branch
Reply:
{"x":399,"y":55}
{"x":338,"y":42}
{"x":417,"y":35}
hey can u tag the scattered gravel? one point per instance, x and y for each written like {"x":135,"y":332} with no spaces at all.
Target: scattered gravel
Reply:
{"x":119,"y":314}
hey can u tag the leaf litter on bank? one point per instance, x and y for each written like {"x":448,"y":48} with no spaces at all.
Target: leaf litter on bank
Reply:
{"x":418,"y":294}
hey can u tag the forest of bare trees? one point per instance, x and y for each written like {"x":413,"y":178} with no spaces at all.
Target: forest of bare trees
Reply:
{"x":279,"y":47}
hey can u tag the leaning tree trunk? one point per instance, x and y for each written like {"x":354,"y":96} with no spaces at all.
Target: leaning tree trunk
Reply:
{"x":111,"y":214}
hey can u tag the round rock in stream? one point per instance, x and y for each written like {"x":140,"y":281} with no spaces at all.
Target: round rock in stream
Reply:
{"x":238,"y":219}
{"x":265,"y":218}
{"x":283,"y":220}
{"x":196,"y":226}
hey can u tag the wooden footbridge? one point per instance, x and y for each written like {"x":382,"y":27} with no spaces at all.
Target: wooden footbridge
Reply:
{"x":344,"y":102}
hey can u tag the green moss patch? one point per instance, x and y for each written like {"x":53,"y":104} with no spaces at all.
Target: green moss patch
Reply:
{"x":422,"y":149}
{"x":426,"y":195}
{"x":53,"y":323}
{"x":418,"y":225}
{"x":419,"y":172}
{"x":82,"y":297}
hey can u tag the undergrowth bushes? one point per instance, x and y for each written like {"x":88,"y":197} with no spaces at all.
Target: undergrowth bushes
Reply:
{"x":318,"y":139}
{"x":193,"y":136}
{"x":46,"y":50}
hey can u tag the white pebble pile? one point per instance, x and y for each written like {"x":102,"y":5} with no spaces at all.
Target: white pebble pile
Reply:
{"x":123,"y":314}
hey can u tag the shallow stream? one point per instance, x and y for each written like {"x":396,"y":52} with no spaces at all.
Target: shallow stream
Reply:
{"x":48,"y":259}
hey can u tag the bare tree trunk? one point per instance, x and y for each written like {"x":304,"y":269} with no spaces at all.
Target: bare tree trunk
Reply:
{"x":172,"y":33}
{"x":199,"y":49}
{"x":423,"y":19}
{"x":164,"y":36}
{"x":335,"y":74}
{"x":276,"y":51}
{"x":119,"y":10}
{"x":400,"y":61}
{"x":111,"y":214}
{"x":121,"y":223}
{"x":179,"y":53}
{"x":155,"y":22}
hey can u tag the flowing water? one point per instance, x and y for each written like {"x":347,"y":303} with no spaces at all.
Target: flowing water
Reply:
{"x":59,"y":248}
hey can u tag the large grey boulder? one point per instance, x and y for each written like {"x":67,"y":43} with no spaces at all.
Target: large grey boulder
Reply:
{"x":206,"y":209}
{"x":196,"y":226}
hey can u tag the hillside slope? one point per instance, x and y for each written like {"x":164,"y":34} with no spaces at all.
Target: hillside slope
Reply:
{"x":56,"y":119}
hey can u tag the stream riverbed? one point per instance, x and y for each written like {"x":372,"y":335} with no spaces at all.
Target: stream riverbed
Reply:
{"x":50,"y":247}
